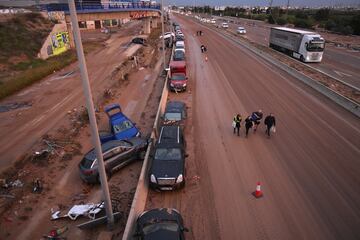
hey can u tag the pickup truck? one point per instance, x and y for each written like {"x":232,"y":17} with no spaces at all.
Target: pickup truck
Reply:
{"x":121,"y":127}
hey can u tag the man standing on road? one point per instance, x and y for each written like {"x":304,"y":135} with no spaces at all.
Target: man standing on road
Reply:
{"x":256,"y":118}
{"x":236,"y":123}
{"x":248,"y":125}
{"x":270,"y":123}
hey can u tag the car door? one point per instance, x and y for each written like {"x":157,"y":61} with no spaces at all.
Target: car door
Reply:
{"x":126,"y":156}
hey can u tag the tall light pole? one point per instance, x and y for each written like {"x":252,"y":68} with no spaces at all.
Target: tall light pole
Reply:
{"x":91,"y":112}
{"x":162,"y":30}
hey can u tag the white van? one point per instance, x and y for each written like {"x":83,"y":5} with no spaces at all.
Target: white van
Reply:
{"x":225,"y":25}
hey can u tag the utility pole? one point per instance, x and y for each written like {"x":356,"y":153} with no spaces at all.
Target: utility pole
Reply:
{"x":91,"y":112}
{"x":287,"y":7}
{"x":163,"y":37}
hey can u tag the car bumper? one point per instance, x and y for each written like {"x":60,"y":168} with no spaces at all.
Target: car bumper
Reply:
{"x":178,"y":88}
{"x":175,"y":186}
{"x":89,"y":178}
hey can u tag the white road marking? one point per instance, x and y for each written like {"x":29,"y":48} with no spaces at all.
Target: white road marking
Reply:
{"x":341,"y":74}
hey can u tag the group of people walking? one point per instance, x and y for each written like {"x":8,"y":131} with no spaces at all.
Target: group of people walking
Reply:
{"x":253,"y":121}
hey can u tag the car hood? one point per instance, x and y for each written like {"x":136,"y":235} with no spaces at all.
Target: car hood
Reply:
{"x":168,"y":168}
{"x":127,"y":134}
{"x":162,"y":234}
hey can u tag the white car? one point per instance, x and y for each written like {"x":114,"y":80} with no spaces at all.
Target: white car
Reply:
{"x":168,"y":35}
{"x":241,"y":30}
{"x":180,"y":45}
{"x":225,"y":25}
{"x":213,"y":21}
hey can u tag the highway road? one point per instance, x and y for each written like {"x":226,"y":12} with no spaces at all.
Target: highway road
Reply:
{"x":309,"y":169}
{"x":338,"y":62}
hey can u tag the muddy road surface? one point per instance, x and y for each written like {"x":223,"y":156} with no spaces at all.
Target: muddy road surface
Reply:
{"x":309,"y":169}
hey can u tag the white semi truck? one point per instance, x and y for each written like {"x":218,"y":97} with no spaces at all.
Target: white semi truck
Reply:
{"x":303,"y":45}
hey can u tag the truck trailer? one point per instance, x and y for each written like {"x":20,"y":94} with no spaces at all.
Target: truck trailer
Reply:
{"x":303,"y":45}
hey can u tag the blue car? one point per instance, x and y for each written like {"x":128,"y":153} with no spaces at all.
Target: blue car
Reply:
{"x":121,"y":127}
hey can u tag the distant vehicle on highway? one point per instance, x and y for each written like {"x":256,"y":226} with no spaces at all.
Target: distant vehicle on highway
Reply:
{"x":225,"y":25}
{"x":178,"y":82}
{"x":241,"y":30}
{"x":175,"y":111}
{"x":179,"y":55}
{"x":121,"y":126}
{"x":116,"y":154}
{"x":167,"y":171}
{"x":303,"y":45}
{"x":160,"y":223}
{"x":180,"y":45}
{"x":213,"y":21}
{"x":168,"y":35}
{"x":177,"y":67}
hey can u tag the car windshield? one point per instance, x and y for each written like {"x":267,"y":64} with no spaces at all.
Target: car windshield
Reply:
{"x":86,"y":163}
{"x":123,"y":126}
{"x":168,"y":226}
{"x":179,"y":55}
{"x":173,"y":116}
{"x":315,"y":46}
{"x":178,"y":77}
{"x":168,"y":154}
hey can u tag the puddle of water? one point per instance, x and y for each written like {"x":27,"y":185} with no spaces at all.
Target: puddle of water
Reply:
{"x":13,"y":106}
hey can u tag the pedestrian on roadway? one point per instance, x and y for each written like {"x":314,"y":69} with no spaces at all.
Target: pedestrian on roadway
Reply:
{"x":202,"y":47}
{"x":248,"y":125}
{"x":236,"y":123}
{"x":270,"y":123}
{"x":256,"y":118}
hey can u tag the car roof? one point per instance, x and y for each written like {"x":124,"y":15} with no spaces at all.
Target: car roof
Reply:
{"x":175,"y":105}
{"x":170,"y":134}
{"x":159,"y":214}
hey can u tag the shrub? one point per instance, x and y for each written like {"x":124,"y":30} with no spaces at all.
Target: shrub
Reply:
{"x":281,"y":21}
{"x":303,"y":23}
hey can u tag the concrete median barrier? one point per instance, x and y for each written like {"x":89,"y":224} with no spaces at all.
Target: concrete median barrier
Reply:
{"x":142,"y":188}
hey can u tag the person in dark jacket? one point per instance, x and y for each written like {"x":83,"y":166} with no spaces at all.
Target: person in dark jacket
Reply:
{"x":248,"y":125}
{"x":256,"y":118}
{"x":237,"y":120}
{"x":269,"y":122}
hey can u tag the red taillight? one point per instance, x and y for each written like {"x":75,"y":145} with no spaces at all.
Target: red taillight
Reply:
{"x":88,"y":172}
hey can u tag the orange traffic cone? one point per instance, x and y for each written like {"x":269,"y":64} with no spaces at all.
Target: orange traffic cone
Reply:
{"x":258,"y":193}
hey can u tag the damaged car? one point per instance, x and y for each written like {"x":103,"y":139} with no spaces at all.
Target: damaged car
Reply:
{"x":160,"y":223}
{"x":116,"y":154}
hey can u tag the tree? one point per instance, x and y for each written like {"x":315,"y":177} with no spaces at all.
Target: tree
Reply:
{"x":322,"y":14}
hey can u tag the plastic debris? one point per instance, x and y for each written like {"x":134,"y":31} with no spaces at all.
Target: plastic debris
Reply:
{"x":89,"y":210}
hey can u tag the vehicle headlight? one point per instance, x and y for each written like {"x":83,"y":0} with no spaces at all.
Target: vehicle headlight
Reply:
{"x":171,"y":84}
{"x":180,"y":178}
{"x":184,"y":85}
{"x":138,"y":134}
{"x":152,"y":178}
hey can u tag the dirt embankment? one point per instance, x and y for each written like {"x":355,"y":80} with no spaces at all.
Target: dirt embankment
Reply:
{"x":21,"y":39}
{"x":55,"y":158}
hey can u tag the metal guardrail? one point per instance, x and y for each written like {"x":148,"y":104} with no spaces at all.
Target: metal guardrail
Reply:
{"x":107,"y":7}
{"x":142,"y":188}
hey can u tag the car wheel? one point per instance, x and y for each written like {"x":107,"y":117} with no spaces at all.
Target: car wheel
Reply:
{"x":302,"y":58}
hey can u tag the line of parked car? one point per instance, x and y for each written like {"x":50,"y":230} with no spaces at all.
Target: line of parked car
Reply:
{"x":123,"y":144}
{"x":167,"y":160}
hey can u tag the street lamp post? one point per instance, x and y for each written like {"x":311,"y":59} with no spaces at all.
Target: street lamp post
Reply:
{"x":162,"y":30}
{"x":91,"y":112}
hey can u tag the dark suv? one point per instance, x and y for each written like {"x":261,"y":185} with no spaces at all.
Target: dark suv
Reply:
{"x":160,"y":223}
{"x":167,"y":171}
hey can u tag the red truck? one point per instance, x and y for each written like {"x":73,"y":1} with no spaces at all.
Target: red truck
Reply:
{"x":178,"y":78}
